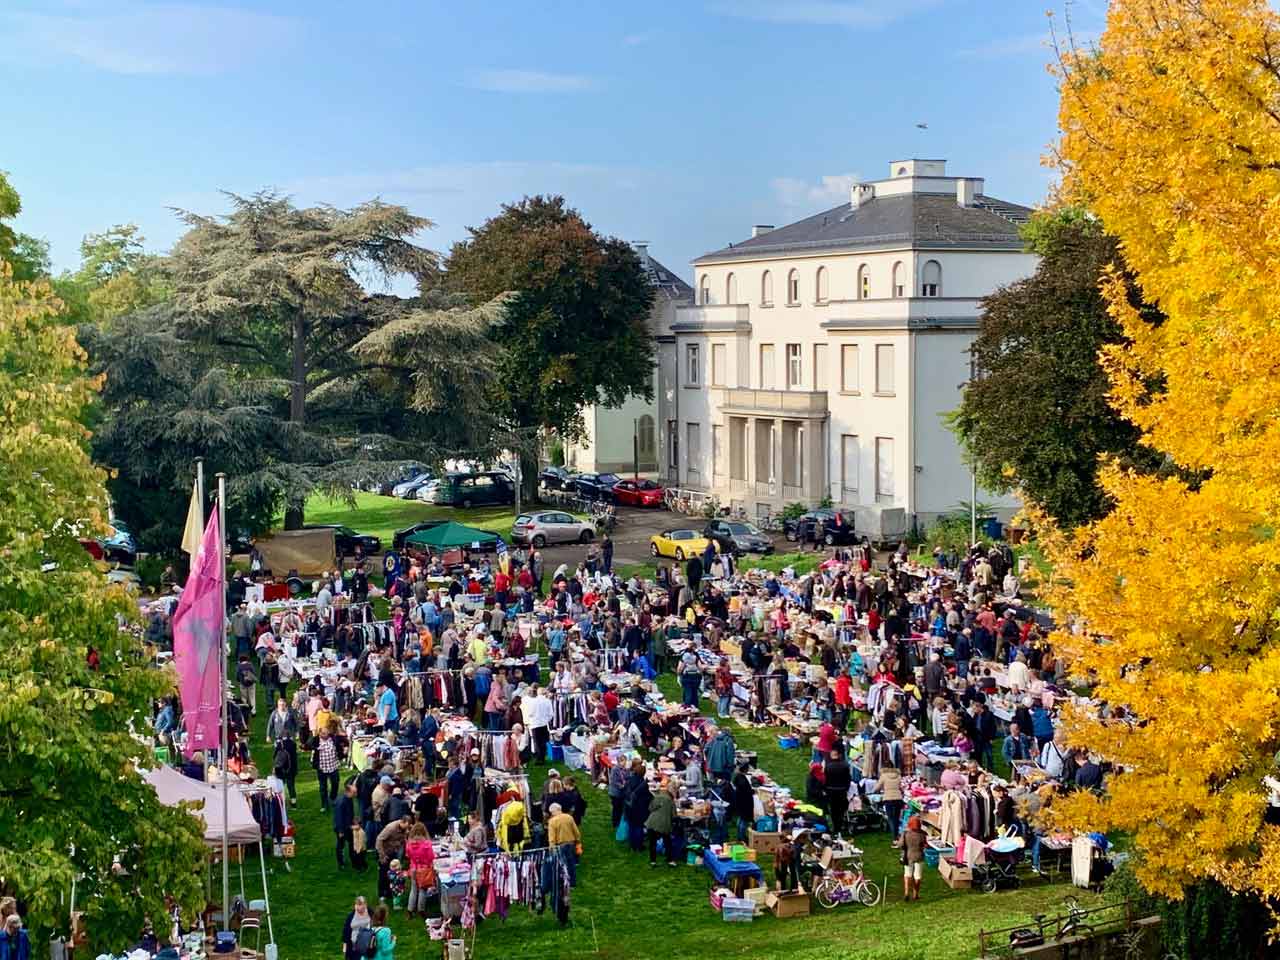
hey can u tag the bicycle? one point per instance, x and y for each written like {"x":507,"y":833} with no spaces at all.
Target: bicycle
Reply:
{"x":846,"y":886}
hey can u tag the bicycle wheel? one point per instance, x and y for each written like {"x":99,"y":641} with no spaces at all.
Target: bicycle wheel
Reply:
{"x":824,"y":894}
{"x":868,"y":893}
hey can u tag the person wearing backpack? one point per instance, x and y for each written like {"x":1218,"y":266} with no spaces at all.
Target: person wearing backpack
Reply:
{"x":384,"y":939}
{"x":357,"y":932}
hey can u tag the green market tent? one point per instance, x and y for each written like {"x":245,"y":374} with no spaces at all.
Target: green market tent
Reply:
{"x":452,"y":534}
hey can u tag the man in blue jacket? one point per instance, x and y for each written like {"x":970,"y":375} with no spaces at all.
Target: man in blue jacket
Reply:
{"x":721,"y":753}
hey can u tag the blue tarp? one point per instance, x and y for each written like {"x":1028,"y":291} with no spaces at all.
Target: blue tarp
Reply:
{"x":722,"y":869}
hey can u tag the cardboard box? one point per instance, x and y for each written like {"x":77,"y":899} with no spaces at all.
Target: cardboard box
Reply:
{"x":956,"y":876}
{"x":784,"y":905}
{"x":766,"y":843}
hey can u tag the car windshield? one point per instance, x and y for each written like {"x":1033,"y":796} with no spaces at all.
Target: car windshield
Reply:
{"x":646,"y":485}
{"x":523,"y":518}
{"x":609,"y":478}
{"x":682,"y":535}
{"x":743,"y":530}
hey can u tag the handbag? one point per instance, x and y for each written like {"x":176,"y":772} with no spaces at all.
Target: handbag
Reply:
{"x":621,"y":833}
{"x":424,"y":878}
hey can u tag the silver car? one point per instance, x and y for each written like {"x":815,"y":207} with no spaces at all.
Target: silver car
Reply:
{"x":550,"y":526}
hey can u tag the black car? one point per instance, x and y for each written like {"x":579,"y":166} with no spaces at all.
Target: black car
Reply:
{"x":400,"y":536}
{"x":345,"y":539}
{"x":836,"y":527}
{"x":554,"y":478}
{"x":594,"y":486}
{"x":737,"y":537}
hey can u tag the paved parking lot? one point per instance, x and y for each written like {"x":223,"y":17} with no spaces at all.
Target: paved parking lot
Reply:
{"x":631,"y":537}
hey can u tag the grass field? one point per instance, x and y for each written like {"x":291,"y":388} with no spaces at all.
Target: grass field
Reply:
{"x":383,"y":516}
{"x":623,"y":909}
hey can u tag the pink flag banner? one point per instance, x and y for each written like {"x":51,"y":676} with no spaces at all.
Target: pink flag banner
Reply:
{"x":198,"y":638}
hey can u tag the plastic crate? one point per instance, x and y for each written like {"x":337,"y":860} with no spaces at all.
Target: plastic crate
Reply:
{"x":737,"y":910}
{"x":932,"y":854}
{"x":574,"y":758}
{"x":555,"y":753}
{"x":737,"y":852}
{"x":788,"y":742}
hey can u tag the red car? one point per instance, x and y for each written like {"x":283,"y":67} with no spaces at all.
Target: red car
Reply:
{"x":638,"y":493}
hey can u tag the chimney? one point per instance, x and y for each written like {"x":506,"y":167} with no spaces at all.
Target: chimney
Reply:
{"x":860,"y":193}
{"x":966,"y":191}
{"x":760,"y":229}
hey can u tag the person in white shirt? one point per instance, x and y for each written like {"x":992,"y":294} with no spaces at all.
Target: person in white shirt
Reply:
{"x":1019,"y":675}
{"x":537,"y":711}
{"x":1054,"y":755}
{"x":324,"y":599}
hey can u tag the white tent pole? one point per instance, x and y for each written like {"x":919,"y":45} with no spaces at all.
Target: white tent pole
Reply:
{"x":226,"y":765}
{"x":266,"y":894}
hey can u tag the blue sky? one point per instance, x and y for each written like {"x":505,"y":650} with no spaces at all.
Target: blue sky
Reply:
{"x":679,"y":123}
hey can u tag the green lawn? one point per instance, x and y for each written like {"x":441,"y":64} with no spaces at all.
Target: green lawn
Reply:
{"x":383,"y":516}
{"x":623,"y":909}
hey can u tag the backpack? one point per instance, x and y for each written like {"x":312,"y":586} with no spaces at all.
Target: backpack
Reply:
{"x":366,"y":944}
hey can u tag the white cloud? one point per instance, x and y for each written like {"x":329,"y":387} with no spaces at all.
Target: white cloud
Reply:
{"x":830,"y":190}
{"x":831,"y":13}
{"x":529,"y":81}
{"x":1001,"y":47}
{"x":132,"y":37}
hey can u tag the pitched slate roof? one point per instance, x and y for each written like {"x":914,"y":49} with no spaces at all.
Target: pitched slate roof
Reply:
{"x":910,"y":219}
{"x":667,"y":282}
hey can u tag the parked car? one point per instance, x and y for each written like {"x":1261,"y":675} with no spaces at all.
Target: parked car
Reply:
{"x":553,"y":478}
{"x":400,"y":536}
{"x":385,"y":485}
{"x":550,"y":526}
{"x":837,"y":527}
{"x":677,"y":543}
{"x":345,"y":539}
{"x":638,"y":493}
{"x":427,"y":492}
{"x":594,"y":486}
{"x":734,"y":536}
{"x":118,"y":546}
{"x":474,"y":489}
{"x":406,"y":489}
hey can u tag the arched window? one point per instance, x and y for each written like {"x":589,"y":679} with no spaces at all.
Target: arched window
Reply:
{"x":645,"y":439}
{"x":704,"y":290}
{"x":822,"y":285}
{"x":793,"y":287}
{"x":899,"y":284}
{"x":864,"y":282}
{"x":931,"y":279}
{"x":731,"y":289}
{"x":766,"y":289}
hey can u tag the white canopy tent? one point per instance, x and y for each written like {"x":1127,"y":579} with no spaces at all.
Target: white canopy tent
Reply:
{"x":173,"y":788}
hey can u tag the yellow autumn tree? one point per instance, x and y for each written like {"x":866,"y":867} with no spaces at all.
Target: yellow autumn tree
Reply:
{"x":1171,"y":133}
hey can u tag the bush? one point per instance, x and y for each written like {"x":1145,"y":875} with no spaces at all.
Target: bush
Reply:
{"x":795,"y":510}
{"x":950,"y":532}
{"x":710,"y":508}
{"x":150,"y":566}
{"x":826,"y":503}
{"x":555,"y":450}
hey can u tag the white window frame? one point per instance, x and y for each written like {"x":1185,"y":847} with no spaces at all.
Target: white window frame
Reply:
{"x":768,"y":383}
{"x":793,"y":288}
{"x":899,"y":284}
{"x":692,"y":365}
{"x":931,"y":286}
{"x":850,"y":378}
{"x":885,"y":389}
{"x":864,"y":282}
{"x":885,"y":480}
{"x":822,"y":286}
{"x":731,"y":289}
{"x":848,"y":484}
{"x":704,"y":290}
{"x":766,"y":289}
{"x":795,"y":365}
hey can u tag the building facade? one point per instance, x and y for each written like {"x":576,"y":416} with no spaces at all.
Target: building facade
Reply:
{"x":819,"y":359}
{"x":618,"y":438}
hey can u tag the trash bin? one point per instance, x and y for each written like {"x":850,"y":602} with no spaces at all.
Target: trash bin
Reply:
{"x":991,"y":528}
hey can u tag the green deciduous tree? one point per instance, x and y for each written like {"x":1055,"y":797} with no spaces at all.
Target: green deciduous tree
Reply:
{"x":27,"y":256}
{"x":574,"y":330}
{"x":71,"y":800}
{"x":1037,"y":419}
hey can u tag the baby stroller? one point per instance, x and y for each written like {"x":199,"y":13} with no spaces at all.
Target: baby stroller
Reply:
{"x":999,"y":872}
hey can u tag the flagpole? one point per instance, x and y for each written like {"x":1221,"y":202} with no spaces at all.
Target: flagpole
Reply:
{"x":222,"y":652}
{"x":204,"y":764}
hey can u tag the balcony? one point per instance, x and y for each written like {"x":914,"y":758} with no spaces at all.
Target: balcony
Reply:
{"x":713,"y":318}
{"x":903,"y":311}
{"x":807,"y":404}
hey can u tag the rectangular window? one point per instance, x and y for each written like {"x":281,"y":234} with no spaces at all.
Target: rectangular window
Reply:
{"x":693,"y":450}
{"x":766,"y":366}
{"x":849,"y":368}
{"x":795,"y":366}
{"x":884,"y":368}
{"x":849,"y":468}
{"x":793,"y":288}
{"x":673,"y":445}
{"x":717,"y":364}
{"x":884,"y":470}
{"x":692,"y":365}
{"x":929,"y":289}
{"x":819,"y":366}
{"x":717,"y":450}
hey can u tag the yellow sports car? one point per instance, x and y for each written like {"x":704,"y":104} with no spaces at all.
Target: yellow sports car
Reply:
{"x":678,"y":543}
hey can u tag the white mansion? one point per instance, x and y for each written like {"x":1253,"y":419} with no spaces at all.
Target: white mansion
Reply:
{"x":818,"y":359}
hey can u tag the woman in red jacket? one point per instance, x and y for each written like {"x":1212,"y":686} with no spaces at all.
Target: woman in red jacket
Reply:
{"x":422,"y":871}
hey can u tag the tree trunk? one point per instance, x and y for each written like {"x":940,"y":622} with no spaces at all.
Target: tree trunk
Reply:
{"x":528,"y":479}
{"x":294,"y":510}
